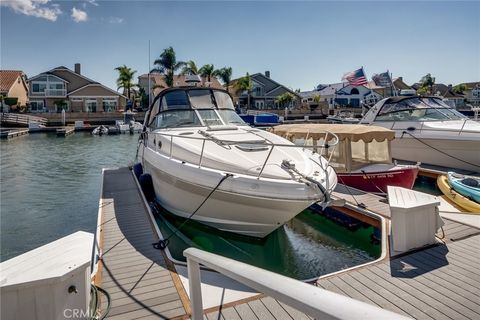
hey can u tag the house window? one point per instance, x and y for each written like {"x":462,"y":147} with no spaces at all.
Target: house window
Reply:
{"x":258,"y":91}
{"x":38,"y":87}
{"x":109,"y":105}
{"x":49,"y":86}
{"x":354,"y":91}
{"x":37,"y":106}
{"x":91,"y":105}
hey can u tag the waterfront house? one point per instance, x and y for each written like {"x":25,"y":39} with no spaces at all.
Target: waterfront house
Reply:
{"x":347,"y":97}
{"x":472,"y":94}
{"x":62,"y":88}
{"x":398,"y":85}
{"x":157,"y":82}
{"x":265,"y":92}
{"x":447,"y":93}
{"x":13,"y":84}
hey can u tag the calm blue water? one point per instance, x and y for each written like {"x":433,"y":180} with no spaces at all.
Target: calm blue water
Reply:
{"x":50,"y":186}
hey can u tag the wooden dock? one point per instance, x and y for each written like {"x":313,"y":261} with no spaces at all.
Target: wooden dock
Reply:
{"x":65,"y":131}
{"x":13,"y":133}
{"x":131,"y":270}
{"x":439,"y":282}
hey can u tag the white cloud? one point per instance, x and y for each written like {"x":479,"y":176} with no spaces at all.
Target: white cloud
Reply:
{"x":79,"y":15}
{"x":115,"y":20}
{"x":93,"y":2}
{"x":35,"y":8}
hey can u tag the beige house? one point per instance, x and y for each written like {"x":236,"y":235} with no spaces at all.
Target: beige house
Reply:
{"x":62,"y":88}
{"x":157,"y":82}
{"x":13,"y":85}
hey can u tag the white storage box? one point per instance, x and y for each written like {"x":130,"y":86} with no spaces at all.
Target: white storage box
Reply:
{"x":414,"y":218}
{"x":50,"y":282}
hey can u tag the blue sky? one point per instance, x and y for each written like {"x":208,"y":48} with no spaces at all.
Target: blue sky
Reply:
{"x":301,"y":43}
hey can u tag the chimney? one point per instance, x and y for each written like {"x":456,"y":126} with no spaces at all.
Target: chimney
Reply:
{"x":77,"y":68}
{"x":267,"y":74}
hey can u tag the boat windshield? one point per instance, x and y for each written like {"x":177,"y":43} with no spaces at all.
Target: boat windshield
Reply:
{"x":418,"y":109}
{"x":194,"y":108}
{"x":196,"y":118}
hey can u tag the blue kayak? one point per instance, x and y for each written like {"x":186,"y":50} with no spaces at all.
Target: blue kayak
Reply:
{"x":467,"y":186}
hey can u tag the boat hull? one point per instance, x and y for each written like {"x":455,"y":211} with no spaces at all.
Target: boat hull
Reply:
{"x":465,"y":190}
{"x":457,"y":198}
{"x":241,"y":204}
{"x":410,"y":149}
{"x":377,"y":182}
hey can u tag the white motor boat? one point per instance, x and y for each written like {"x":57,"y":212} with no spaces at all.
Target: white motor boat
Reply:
{"x":208,"y":165}
{"x":429,"y":131}
{"x":100,"y":130}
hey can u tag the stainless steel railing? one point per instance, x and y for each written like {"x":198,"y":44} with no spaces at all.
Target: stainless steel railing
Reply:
{"x":330,"y":143}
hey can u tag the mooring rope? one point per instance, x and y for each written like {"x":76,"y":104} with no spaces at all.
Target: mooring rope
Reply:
{"x":436,"y":149}
{"x":163,"y":243}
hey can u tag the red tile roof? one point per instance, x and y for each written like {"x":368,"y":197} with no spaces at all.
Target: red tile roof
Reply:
{"x":8,"y":78}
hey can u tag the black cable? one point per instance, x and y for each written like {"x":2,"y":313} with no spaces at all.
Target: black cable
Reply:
{"x":163,"y":243}
{"x":442,"y":152}
{"x":361,"y":205}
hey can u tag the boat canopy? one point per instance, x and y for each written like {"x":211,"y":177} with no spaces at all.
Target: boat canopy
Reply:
{"x":359,"y":145}
{"x":352,"y":132}
{"x":192,"y":106}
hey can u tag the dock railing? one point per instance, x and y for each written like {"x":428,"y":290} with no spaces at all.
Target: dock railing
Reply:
{"x":316,"y":302}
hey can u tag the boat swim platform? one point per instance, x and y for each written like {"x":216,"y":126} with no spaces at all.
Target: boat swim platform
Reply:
{"x":437,"y":282}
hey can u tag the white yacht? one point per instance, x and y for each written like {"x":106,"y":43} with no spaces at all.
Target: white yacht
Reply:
{"x":429,"y":131}
{"x":207,"y":164}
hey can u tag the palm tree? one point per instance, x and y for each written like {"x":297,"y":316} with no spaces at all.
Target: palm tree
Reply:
{"x":427,"y":81}
{"x":285,"y":99}
{"x":189,"y":68}
{"x":167,"y":65}
{"x":125,"y":80}
{"x":245,"y":84}
{"x":208,"y":71}
{"x":225,"y":75}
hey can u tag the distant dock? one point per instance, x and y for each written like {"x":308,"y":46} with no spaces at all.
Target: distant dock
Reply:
{"x":13,"y":133}
{"x":65,"y":131}
{"x":435,"y":282}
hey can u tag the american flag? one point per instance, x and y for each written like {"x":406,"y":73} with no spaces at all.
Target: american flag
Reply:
{"x":355,"y":78}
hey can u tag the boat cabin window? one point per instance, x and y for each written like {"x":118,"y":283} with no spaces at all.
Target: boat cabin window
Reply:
{"x":231,"y":117}
{"x":418,"y":109}
{"x":201,"y":99}
{"x":366,"y":153}
{"x":223,"y":100}
{"x":175,"y":100}
{"x":210,"y":117}
{"x":176,"y":119}
{"x":198,"y":107}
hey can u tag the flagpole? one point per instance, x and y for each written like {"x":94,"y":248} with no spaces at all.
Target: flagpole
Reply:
{"x":149,"y":85}
{"x":393,"y":85}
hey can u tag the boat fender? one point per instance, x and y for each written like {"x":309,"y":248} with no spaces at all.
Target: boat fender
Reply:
{"x":146,"y":183}
{"x":137,"y":170}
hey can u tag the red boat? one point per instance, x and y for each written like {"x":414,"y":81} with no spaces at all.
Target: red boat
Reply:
{"x":375,"y":178}
{"x":362,"y":158}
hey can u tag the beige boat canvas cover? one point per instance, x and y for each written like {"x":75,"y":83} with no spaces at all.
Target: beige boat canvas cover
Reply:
{"x":352,"y":132}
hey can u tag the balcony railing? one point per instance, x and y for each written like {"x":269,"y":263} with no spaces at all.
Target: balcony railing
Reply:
{"x":50,"y":93}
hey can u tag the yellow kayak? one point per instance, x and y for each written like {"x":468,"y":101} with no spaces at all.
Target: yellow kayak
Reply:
{"x":457,"y":198}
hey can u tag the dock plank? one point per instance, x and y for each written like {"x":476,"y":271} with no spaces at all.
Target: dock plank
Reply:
{"x":439,"y":282}
{"x":135,"y":274}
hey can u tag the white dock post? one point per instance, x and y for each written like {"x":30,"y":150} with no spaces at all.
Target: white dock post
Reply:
{"x":195,"y":287}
